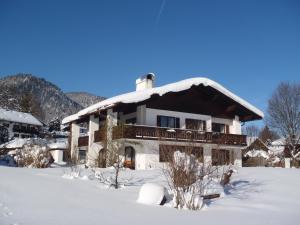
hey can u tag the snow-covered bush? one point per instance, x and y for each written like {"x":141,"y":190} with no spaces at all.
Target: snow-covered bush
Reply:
{"x":33,"y":155}
{"x":190,"y":180}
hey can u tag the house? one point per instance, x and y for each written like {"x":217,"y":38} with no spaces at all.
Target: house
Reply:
{"x":256,"y":154}
{"x":19,"y":124}
{"x":57,"y":149}
{"x":195,"y":111}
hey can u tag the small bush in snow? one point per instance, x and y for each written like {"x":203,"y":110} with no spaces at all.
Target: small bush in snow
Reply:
{"x":189,"y":180}
{"x":32,"y":155}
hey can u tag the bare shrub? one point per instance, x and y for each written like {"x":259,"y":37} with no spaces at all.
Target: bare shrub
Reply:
{"x":33,"y":156}
{"x":187,"y":178}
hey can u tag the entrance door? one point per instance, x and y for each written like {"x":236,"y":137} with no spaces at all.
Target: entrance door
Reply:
{"x":129,"y":158}
{"x":102,"y":159}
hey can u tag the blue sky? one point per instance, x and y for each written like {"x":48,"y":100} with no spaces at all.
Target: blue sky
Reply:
{"x":103,"y":46}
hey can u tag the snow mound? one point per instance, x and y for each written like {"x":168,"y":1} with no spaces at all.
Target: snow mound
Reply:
{"x":213,"y":186}
{"x":151,"y":194}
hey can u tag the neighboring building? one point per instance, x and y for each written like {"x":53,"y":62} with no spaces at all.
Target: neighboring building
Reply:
{"x":256,"y":154}
{"x":19,"y":124}
{"x":57,"y":149}
{"x":195,"y":111}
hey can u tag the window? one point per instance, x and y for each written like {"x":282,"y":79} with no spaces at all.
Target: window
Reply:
{"x":220,"y":157}
{"x":168,"y":121}
{"x":82,"y":155}
{"x":130,"y":121}
{"x":16,"y":135}
{"x":16,"y":128}
{"x":5,"y":125}
{"x":220,"y":128}
{"x":25,"y":136}
{"x":193,"y":124}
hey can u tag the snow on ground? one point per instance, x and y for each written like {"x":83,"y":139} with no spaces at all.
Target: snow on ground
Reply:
{"x":44,"y":197}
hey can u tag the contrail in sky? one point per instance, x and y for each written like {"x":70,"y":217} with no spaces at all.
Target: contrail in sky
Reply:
{"x":162,"y":6}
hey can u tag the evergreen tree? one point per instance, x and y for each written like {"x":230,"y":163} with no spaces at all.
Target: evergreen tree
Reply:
{"x":29,"y":105}
{"x":54,"y":125}
{"x":3,"y":134}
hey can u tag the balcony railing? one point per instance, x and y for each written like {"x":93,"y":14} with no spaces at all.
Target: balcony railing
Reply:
{"x":83,"y":141}
{"x":99,"y":135}
{"x":171,"y":134}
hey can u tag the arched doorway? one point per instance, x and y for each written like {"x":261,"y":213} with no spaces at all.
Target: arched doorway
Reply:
{"x":129,"y":157}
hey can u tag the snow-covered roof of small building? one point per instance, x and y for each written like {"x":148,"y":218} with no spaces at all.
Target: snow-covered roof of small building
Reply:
{"x":60,"y":143}
{"x":19,"y":117}
{"x":277,"y":146}
{"x":138,"y":96}
{"x":279,"y":142}
{"x":257,"y":153}
{"x":20,"y":142}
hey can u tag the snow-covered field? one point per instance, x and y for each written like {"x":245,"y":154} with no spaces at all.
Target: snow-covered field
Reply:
{"x":43,"y":197}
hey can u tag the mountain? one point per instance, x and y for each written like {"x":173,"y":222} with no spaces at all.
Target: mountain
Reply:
{"x":84,"y":99}
{"x":49,"y":100}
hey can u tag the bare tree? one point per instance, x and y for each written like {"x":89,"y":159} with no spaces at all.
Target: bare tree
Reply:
{"x":251,"y":131}
{"x":112,"y":149}
{"x":284,"y":114}
{"x":267,"y":135}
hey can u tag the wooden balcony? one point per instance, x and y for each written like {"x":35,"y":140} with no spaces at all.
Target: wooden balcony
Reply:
{"x":170,"y":134}
{"x":99,"y":135}
{"x":83,"y":141}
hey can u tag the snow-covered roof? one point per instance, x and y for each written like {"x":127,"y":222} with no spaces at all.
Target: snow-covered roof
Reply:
{"x":279,"y":142}
{"x":59,"y":144}
{"x":138,"y":96}
{"x":20,"y":142}
{"x":277,"y":146}
{"x":257,"y":153}
{"x":19,"y":117}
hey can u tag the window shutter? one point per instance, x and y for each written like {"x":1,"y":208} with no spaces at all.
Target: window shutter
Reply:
{"x":177,"y":123}
{"x":158,"y":123}
{"x":227,"y":129}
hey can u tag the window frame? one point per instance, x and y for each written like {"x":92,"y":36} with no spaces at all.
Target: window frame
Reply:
{"x":176,"y":121}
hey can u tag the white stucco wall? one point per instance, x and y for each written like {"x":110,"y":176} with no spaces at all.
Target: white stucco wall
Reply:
{"x":207,"y":149}
{"x":93,"y":148}
{"x":57,"y":155}
{"x":237,"y":154}
{"x":141,"y":115}
{"x":75,"y":132}
{"x":236,"y":126}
